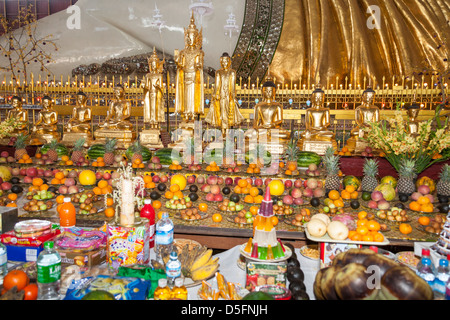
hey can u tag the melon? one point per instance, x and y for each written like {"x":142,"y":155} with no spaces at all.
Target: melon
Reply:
{"x":180,"y":180}
{"x":390,"y":180}
{"x":351,"y":181}
{"x":276,"y":187}
{"x":387,"y":190}
{"x":316,"y":228}
{"x":5,"y":173}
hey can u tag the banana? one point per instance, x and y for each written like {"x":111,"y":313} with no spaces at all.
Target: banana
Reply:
{"x":204,"y":272}
{"x":202,"y":259}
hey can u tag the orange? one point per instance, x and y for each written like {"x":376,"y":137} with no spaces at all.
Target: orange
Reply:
{"x":37,"y":182}
{"x":362,"y":215}
{"x":362,"y":230}
{"x":179,"y":194}
{"x":25,"y":156}
{"x":106,"y":190}
{"x":248,"y":199}
{"x":338,"y":203}
{"x":102,"y":184}
{"x":150,"y":185}
{"x":65,"y":158}
{"x":217,"y":217}
{"x":252,"y":165}
{"x":168,"y":194}
{"x":160,"y":213}
{"x":137,"y":161}
{"x":373,"y":225}
{"x":274,"y":220}
{"x":250,"y":170}
{"x":174,"y":188}
{"x":367,"y":237}
{"x":147,"y":178}
{"x":281,"y":164}
{"x":12,"y":196}
{"x":378,"y":237}
{"x":351,"y":233}
{"x":237,"y":190}
{"x":38,"y":155}
{"x":424,"y":221}
{"x":109,"y":201}
{"x":203,"y":207}
{"x":354,"y":195}
{"x":109,"y":212}
{"x":97,"y":190}
{"x":254,"y":210}
{"x":43,"y":187}
{"x":423,"y":200}
{"x":69,"y":163}
{"x":95,"y":164}
{"x":100,"y":159}
{"x":362,"y":222}
{"x":288,"y":172}
{"x":427,"y":207}
{"x":292,"y":167}
{"x":59,"y":199}
{"x":344,"y":149}
{"x":59,"y":175}
{"x":242,"y":183}
{"x":350,"y":189}
{"x":334,"y":195}
{"x":258,"y":199}
{"x":414,"y":205}
{"x":356,"y":237}
{"x":405,"y":228}
{"x":245,"y":190}
{"x":345,"y":195}
{"x":257,"y":170}
{"x":12,"y":205}
{"x":254,"y":191}
{"x":157,"y":204}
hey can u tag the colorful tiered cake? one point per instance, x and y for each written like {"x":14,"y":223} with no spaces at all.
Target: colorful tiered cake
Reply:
{"x":264,"y":245}
{"x":442,"y":245}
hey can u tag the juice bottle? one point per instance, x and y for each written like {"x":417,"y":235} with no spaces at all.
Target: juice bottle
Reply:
{"x":162,"y":292}
{"x":67,"y":214}
{"x":148,"y":212}
{"x":179,"y":291}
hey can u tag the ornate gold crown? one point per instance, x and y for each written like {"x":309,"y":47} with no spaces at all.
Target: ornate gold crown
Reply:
{"x":154,"y":57}
{"x":192,"y":29}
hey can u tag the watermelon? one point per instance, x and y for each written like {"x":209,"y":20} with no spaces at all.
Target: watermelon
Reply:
{"x":305,"y":158}
{"x":60,"y":149}
{"x":146,"y":153}
{"x":96,"y":150}
{"x":167,"y":155}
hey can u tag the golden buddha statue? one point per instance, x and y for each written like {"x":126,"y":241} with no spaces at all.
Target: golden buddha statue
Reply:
{"x":413,"y":124}
{"x":153,"y":103}
{"x":45,"y":129}
{"x":267,"y":122}
{"x":365,"y":113}
{"x":224,"y":111}
{"x":116,"y":124}
{"x":317,"y":137}
{"x":79,"y":125}
{"x":20,"y":115}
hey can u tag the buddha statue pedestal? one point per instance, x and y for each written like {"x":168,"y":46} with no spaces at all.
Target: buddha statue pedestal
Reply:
{"x":151,"y":139}
{"x":38,"y":139}
{"x":124,"y":138}
{"x":185,"y":131}
{"x":69,"y":138}
{"x":356,"y":145}
{"x":317,"y":146}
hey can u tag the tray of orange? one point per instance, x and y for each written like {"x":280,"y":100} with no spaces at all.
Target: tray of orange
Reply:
{"x":422,"y":205}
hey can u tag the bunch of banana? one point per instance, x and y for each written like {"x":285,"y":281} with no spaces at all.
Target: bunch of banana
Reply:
{"x":197,"y":263}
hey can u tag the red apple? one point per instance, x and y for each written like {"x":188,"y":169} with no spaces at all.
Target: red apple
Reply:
{"x":156,"y":178}
{"x":23,"y":172}
{"x":228,"y":181}
{"x":32,"y":172}
{"x":27,"y":179}
{"x":215,"y":189}
{"x":209,"y":197}
{"x":258,"y":182}
{"x":191,"y":179}
{"x":298,"y":183}
{"x":288,"y":184}
{"x":98,"y":175}
{"x":218,"y":197}
{"x":267,"y":181}
{"x":40,"y":172}
{"x":164,"y":179}
{"x":6,"y":186}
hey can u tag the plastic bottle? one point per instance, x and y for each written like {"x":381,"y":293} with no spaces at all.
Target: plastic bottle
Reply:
{"x":447,"y":290}
{"x":148,"y":212}
{"x":3,"y":262}
{"x":442,"y":276}
{"x":67,"y":214}
{"x":162,"y":292}
{"x":426,"y":254}
{"x":179,"y":291}
{"x":425,"y":271}
{"x":49,"y":273}
{"x":173,"y":269}
{"x":163,"y":237}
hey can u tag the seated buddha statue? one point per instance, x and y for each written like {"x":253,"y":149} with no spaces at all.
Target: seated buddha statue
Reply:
{"x":268,"y":121}
{"x":20,"y":115}
{"x":365,"y":113}
{"x":317,"y":137}
{"x":79,"y":125}
{"x":116,"y":123}
{"x":45,"y":129}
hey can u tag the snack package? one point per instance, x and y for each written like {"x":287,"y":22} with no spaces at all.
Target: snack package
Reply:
{"x":123,"y":288}
{"x":81,"y":240}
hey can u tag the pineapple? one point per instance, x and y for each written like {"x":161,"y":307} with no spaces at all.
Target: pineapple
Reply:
{"x":52,"y":153}
{"x":20,"y":146}
{"x":110,"y":146}
{"x":369,"y":181}
{"x":78,"y":150}
{"x":443,"y":185}
{"x":331,"y":163}
{"x":407,"y":174}
{"x":136,"y":148}
{"x":292,"y":150}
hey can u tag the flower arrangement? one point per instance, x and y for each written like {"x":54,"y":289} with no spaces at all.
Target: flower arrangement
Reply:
{"x":392,"y":137}
{"x":8,"y":126}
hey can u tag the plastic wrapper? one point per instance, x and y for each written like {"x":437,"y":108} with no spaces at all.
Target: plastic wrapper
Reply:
{"x":81,"y":240}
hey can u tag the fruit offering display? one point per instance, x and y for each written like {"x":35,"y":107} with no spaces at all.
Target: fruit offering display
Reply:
{"x":228,"y":205}
{"x":176,"y":203}
{"x":38,"y":205}
{"x":190,"y":214}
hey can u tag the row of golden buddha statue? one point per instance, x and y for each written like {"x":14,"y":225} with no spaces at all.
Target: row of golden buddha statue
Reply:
{"x":223,"y":112}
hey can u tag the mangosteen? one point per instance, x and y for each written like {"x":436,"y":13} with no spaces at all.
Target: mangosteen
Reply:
{"x":293,"y":263}
{"x":296,"y":286}
{"x":155,"y":195}
{"x":235,"y":198}
{"x":444,"y":207}
{"x":226,"y":190}
{"x":162,"y":187}
{"x":295,"y":274}
{"x":400,"y":205}
{"x":260,"y":192}
{"x":274,"y":199}
{"x":300,"y":295}
{"x":315,"y":202}
{"x":193,"y":196}
{"x":354,"y":204}
{"x":15,"y":180}
{"x":52,"y":189}
{"x":443,"y":199}
{"x":403,"y":197}
{"x":16,"y":189}
{"x":193,"y":188}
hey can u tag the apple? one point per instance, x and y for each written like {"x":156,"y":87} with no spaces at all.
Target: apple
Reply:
{"x":27,"y":179}
{"x":311,"y":183}
{"x":15,"y":171}
{"x":156,"y":159}
{"x":63,"y":189}
{"x":236,"y":180}
{"x":258,"y":182}
{"x":298,"y":201}
{"x":288,"y":184}
{"x":209,"y":197}
{"x":364,"y":154}
{"x":383,"y":205}
{"x":156,"y":178}
{"x":368,"y":150}
{"x":40,"y":172}
{"x":220,"y":180}
{"x":6,"y":186}
{"x":205,"y":188}
{"x":72,"y":189}
{"x":236,"y":170}
{"x":44,"y":156}
{"x":373,"y":204}
{"x":377,"y":196}
{"x":318,"y":192}
{"x":74,"y":174}
{"x":211,"y":180}
{"x":308,"y":192}
{"x":298,"y":183}
{"x":296,"y":193}
{"x":98,"y":175}
{"x":200,"y":179}
{"x":424,"y":189}
{"x":69,"y":182}
{"x":287,"y":199}
{"x":4,"y":154}
{"x":218,"y":197}
{"x":267,"y":181}
{"x":31,"y":172}
{"x":23,"y":172}
{"x":215,"y":189}
{"x":164,"y":179}
{"x":228,"y":181}
{"x":10,"y":159}
{"x":47,"y":162}
{"x":229,"y":170}
{"x":3,"y":160}
{"x":191,"y":179}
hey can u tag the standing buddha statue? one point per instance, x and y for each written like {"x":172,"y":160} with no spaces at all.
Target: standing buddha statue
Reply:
{"x":317,"y":137}
{"x":224,"y":111}
{"x":45,"y":129}
{"x":365,"y":113}
{"x":153,"y":103}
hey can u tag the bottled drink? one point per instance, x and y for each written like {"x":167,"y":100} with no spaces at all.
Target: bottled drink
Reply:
{"x":426,"y":272}
{"x":3,"y":262}
{"x":67,"y":214}
{"x":163,"y":237}
{"x":442,"y":276}
{"x":426,"y":254}
{"x":179,"y":291}
{"x":48,"y":273}
{"x":173,"y":269}
{"x":162,"y":292}
{"x":148,"y":212}
{"x":447,"y":290}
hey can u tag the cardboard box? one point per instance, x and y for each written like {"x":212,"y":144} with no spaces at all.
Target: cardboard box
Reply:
{"x":265,"y":273}
{"x":83,"y":259}
{"x":8,"y":219}
{"x":10,"y":238}
{"x":329,"y":250}
{"x":23,"y":253}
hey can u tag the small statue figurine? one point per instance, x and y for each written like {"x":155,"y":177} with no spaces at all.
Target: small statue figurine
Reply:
{"x":317,"y":137}
{"x":153,"y":103}
{"x":224,"y":111}
{"x":45,"y":129}
{"x":268,"y":121}
{"x":116,"y":124}
{"x":365,"y":113}
{"x":79,"y":125}
{"x":413,"y":124}
{"x":189,"y":97}
{"x":20,"y":115}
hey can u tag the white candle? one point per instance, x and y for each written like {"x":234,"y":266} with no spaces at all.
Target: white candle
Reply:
{"x":127,"y":203}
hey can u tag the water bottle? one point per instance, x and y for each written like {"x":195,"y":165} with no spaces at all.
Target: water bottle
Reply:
{"x":426,"y":254}
{"x":442,"y":276}
{"x":163,"y":237}
{"x":447,"y":290}
{"x":173,"y":269}
{"x":49,"y":273}
{"x":148,"y":212}
{"x":426,"y":271}
{"x":3,"y":262}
